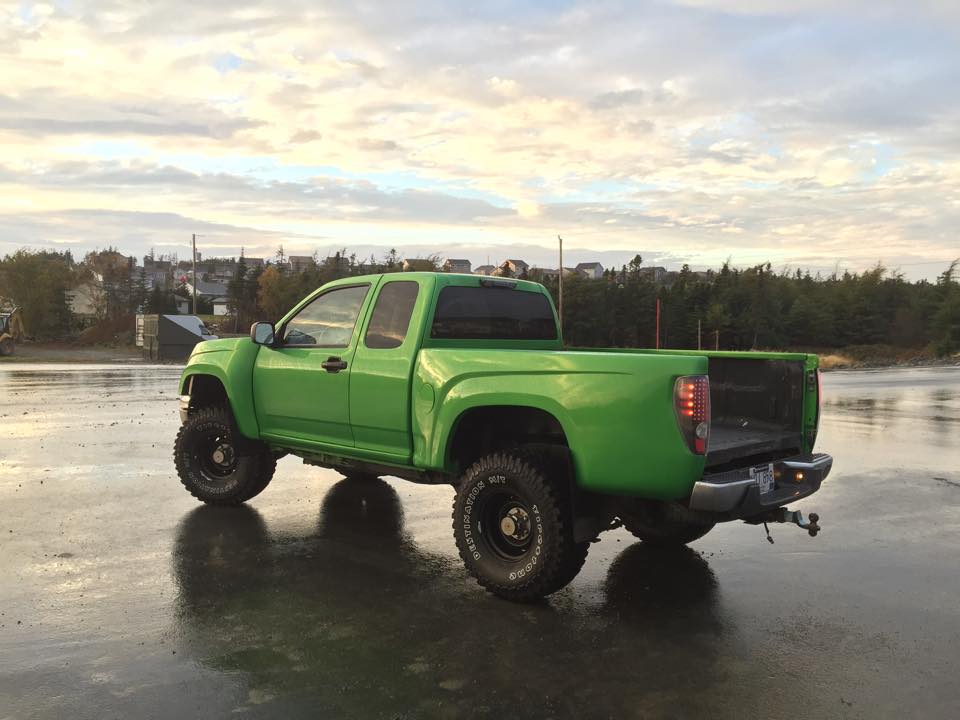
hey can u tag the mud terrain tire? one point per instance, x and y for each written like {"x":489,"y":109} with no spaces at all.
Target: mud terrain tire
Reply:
{"x":215,"y":463}
{"x":514,"y":528}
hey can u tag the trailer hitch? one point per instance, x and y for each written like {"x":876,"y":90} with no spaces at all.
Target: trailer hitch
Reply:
{"x":782,"y":515}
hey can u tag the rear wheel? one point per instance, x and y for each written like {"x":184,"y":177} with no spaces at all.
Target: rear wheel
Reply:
{"x":514,"y":530}
{"x":216,"y":464}
{"x":663,"y":525}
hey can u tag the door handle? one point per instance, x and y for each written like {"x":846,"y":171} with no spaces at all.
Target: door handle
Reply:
{"x":334,"y":364}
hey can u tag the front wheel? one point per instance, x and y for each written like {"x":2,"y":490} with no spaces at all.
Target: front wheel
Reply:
{"x":514,"y":530}
{"x":215,"y":464}
{"x":6,"y":346}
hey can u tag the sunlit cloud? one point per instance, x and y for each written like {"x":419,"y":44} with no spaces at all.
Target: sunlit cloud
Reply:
{"x":811,"y":133}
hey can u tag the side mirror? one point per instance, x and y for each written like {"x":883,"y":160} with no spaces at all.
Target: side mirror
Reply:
{"x":262,"y":333}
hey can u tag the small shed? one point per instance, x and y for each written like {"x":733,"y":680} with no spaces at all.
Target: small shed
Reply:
{"x":172,"y":337}
{"x":220,"y":306}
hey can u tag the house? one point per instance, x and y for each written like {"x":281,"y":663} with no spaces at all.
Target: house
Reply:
{"x":544,"y":273}
{"x":158,"y":273}
{"x":85,"y":300}
{"x":457,"y":266}
{"x":300,"y":263}
{"x":511,"y":268}
{"x":653,"y":274}
{"x":222,"y":270}
{"x":220,"y":306}
{"x":206,"y":289}
{"x":419,"y":265}
{"x":484,"y":270}
{"x":590,"y":270}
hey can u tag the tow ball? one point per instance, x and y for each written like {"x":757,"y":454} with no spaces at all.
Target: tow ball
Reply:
{"x":811,"y":523}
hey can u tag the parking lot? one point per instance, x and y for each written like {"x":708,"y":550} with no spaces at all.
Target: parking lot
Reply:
{"x":121,"y":596}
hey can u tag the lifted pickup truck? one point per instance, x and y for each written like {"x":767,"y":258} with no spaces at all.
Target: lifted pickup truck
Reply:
{"x":464,"y":380}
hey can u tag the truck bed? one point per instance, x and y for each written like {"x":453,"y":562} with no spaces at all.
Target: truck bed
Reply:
{"x":756,"y":406}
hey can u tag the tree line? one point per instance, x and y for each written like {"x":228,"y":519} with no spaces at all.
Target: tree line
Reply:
{"x":729,"y":308}
{"x":757,"y":307}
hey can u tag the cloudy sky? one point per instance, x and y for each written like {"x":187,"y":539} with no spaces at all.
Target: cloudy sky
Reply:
{"x":809,"y":133}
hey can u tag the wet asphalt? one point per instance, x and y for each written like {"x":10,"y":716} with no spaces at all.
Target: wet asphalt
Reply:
{"x":121,"y":596}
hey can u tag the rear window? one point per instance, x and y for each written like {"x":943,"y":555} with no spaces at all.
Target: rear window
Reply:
{"x":469,"y":313}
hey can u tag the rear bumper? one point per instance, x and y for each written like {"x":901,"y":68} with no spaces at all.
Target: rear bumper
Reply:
{"x":736,"y":493}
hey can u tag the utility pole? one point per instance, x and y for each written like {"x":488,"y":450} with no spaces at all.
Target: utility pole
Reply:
{"x":560,"y":279}
{"x":658,"y":323}
{"x":194,"y":274}
{"x":195,"y":236}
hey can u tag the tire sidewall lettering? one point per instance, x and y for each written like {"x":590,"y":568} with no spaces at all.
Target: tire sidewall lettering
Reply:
{"x":474,"y":545}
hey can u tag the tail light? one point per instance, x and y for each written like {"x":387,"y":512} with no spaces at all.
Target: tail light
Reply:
{"x":691,"y":402}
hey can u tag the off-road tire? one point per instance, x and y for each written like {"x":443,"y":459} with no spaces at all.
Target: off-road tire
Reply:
{"x":6,"y":347}
{"x":250,"y":471}
{"x":551,"y":559}
{"x":660,"y":525}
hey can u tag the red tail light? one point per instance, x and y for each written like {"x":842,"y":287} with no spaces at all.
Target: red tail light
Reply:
{"x":691,"y":402}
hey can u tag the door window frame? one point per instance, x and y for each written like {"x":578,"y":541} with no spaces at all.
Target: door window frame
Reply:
{"x":282,"y":329}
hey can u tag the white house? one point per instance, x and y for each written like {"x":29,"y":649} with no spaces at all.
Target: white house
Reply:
{"x":457,"y":266}
{"x":591,"y":270}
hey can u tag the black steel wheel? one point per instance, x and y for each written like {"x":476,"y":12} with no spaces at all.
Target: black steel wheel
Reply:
{"x":215,"y":463}
{"x":514,"y":528}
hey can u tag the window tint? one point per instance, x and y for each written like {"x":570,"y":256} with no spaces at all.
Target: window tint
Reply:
{"x":494,"y":314}
{"x":328,"y":321}
{"x":391,"y":316}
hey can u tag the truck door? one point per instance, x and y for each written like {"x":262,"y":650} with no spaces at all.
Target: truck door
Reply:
{"x":380,"y":381}
{"x":301,"y":385}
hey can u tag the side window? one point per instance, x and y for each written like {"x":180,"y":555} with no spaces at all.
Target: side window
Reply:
{"x":391,"y":315}
{"x":328,"y":321}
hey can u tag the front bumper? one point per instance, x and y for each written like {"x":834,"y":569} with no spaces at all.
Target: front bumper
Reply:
{"x":736,"y":493}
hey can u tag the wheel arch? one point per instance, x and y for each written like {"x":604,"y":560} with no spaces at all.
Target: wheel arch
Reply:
{"x":207,"y":385}
{"x":482,"y":429}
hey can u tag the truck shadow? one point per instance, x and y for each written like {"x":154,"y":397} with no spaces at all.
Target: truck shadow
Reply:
{"x":359,"y":620}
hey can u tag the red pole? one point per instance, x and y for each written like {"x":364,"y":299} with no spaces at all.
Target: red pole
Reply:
{"x":658,"y":323}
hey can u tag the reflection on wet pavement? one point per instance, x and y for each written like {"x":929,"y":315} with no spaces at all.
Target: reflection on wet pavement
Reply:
{"x":339,"y":598}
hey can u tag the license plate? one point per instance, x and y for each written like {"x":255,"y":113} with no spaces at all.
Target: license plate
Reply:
{"x":764,"y":477}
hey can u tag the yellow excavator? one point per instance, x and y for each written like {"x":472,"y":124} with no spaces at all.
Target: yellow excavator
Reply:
{"x":11,"y":330}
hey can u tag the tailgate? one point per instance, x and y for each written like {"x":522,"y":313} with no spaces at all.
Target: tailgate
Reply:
{"x":756,"y":410}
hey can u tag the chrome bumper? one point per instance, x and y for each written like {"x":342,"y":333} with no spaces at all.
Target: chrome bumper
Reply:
{"x":184,"y":408}
{"x":736,"y":492}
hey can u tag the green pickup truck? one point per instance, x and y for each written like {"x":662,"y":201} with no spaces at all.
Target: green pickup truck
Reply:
{"x":464,"y":380}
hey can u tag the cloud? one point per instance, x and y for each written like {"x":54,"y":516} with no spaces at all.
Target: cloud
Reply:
{"x":709,"y":125}
{"x":47,"y":111}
